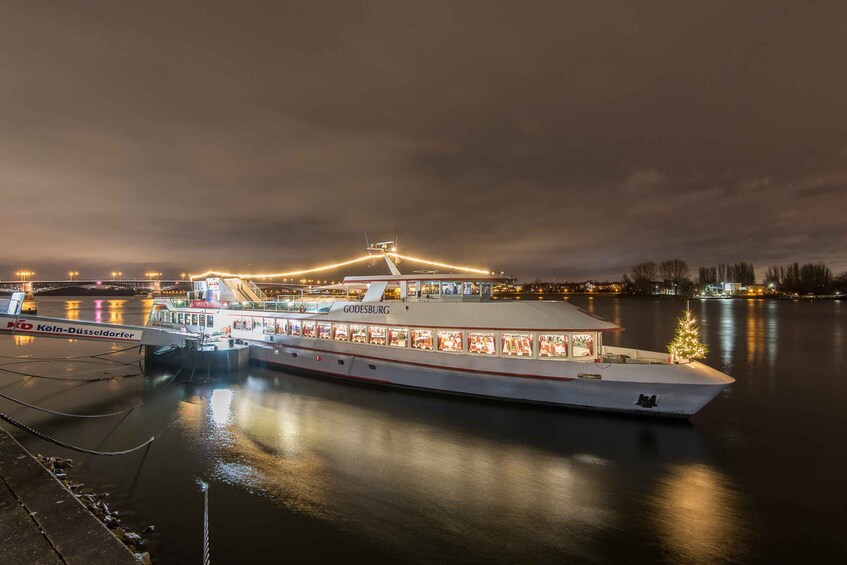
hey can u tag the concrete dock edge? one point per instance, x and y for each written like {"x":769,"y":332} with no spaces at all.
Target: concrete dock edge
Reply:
{"x":43,"y":522}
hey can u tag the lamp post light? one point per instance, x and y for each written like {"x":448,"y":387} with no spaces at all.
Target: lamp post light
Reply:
{"x":72,"y":274}
{"x":24,"y":275}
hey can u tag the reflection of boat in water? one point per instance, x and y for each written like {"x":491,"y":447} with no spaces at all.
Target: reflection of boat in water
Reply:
{"x":442,"y":332}
{"x":393,"y":467}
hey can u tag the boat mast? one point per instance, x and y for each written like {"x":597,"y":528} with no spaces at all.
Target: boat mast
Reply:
{"x":386,"y":248}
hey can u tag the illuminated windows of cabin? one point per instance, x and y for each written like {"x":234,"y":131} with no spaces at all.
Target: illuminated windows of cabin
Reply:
{"x":552,"y":345}
{"x":294,"y":327}
{"x":421,"y":339}
{"x":376,"y":335}
{"x":324,"y":330}
{"x":339,"y":332}
{"x":516,"y":344}
{"x":450,"y":288}
{"x":308,"y":329}
{"x":519,"y":344}
{"x":583,"y":345}
{"x":481,"y":343}
{"x":358,"y":333}
{"x":449,"y":340}
{"x":430,"y":288}
{"x":398,"y":337}
{"x":471,"y":289}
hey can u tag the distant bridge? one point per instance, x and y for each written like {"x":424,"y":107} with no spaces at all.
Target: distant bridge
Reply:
{"x":139,"y":285}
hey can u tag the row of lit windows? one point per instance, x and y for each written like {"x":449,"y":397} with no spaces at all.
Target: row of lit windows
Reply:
{"x":183,"y":318}
{"x":511,"y":343}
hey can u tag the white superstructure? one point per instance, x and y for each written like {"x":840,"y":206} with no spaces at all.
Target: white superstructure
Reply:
{"x":443,"y":332}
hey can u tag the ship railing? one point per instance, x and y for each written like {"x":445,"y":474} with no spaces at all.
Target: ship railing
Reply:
{"x":296,"y":306}
{"x":258,"y":291}
{"x":629,"y":355}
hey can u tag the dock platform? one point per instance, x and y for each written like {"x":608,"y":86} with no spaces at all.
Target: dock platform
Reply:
{"x":41,"y":522}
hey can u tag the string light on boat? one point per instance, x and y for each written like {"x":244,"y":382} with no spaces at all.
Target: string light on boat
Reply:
{"x":336,"y":266}
{"x":436,"y":264}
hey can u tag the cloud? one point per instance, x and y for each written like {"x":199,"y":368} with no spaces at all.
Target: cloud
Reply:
{"x":567,"y":141}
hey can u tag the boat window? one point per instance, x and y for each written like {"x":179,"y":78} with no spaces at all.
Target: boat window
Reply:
{"x":552,"y":345}
{"x":194,"y":321}
{"x":358,"y":333}
{"x":210,"y":321}
{"x":376,"y":335}
{"x":422,"y":339}
{"x":451,"y":288}
{"x":398,"y":337}
{"x":339,"y":332}
{"x":516,"y":345}
{"x":430,"y":288}
{"x":324,"y":330}
{"x":481,"y":343}
{"x":449,"y":340}
{"x":583,"y":345}
{"x":471,"y":288}
{"x":485,"y":288}
{"x":392,"y":293}
{"x":308,"y":329}
{"x":294,"y":327}
{"x":179,"y":317}
{"x":413,"y":289}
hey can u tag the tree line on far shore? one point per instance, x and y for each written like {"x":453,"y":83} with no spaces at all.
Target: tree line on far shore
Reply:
{"x":672,"y":277}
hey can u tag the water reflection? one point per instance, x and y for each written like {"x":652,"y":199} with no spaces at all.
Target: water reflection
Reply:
{"x":220,"y":402}
{"x":415,"y":478}
{"x":72,"y":308}
{"x":697,"y":513}
{"x":363,"y":458}
{"x":23,"y":339}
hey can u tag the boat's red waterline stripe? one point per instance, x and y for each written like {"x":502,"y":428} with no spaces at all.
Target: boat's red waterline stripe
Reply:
{"x":431,"y":366}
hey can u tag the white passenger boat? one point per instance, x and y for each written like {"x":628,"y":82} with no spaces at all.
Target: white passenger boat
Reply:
{"x":444,"y":333}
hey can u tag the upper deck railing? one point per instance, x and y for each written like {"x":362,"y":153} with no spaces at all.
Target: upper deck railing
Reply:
{"x":290,"y":306}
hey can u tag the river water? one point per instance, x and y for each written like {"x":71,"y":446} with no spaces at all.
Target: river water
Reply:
{"x":308,"y":470}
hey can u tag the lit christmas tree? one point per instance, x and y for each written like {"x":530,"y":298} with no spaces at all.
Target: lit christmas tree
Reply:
{"x":686,"y":345}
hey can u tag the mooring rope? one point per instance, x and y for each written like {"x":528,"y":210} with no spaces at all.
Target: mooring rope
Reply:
{"x":66,"y":445}
{"x":22,"y":374}
{"x":94,"y":356}
{"x":204,"y":486}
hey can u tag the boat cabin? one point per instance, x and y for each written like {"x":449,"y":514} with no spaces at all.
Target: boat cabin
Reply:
{"x":426,"y":287}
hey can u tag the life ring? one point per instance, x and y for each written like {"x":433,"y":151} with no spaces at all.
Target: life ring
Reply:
{"x":302,"y":309}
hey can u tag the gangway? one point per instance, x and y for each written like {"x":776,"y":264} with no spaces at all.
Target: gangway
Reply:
{"x":162,"y":345}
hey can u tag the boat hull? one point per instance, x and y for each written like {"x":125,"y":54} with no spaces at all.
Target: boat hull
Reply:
{"x":666,"y":399}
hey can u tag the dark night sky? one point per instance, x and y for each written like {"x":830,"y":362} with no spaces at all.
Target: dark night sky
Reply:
{"x":554,"y":139}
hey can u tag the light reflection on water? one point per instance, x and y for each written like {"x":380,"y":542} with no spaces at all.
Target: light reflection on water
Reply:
{"x":390,"y":476}
{"x":697,"y":512}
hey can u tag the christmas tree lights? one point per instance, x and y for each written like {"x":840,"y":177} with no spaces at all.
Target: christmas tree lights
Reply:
{"x":686,"y":345}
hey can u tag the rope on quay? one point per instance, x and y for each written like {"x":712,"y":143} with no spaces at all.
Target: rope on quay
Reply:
{"x":66,"y":445}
